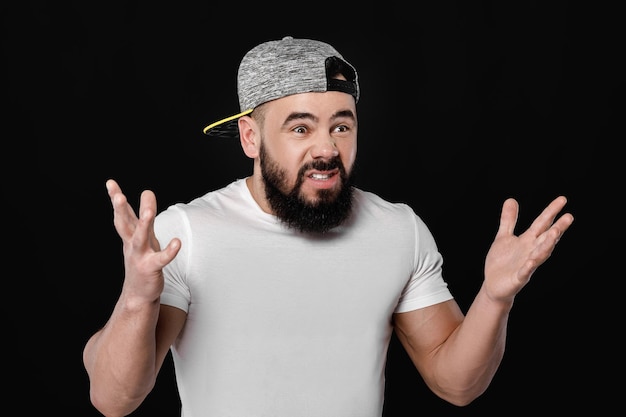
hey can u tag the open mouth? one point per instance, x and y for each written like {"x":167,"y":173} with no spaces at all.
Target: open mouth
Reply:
{"x":321,"y":176}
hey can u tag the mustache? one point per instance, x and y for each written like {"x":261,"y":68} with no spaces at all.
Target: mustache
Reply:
{"x":322,"y":165}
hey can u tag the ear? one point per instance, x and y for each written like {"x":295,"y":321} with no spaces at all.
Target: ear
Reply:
{"x":249,"y":136}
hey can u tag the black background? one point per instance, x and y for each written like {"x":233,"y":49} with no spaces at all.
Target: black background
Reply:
{"x":463,"y":105}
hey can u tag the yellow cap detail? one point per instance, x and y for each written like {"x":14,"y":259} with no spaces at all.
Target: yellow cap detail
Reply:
{"x":228,"y":119}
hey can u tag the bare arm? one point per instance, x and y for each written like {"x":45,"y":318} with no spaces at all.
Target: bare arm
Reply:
{"x":124,"y":357}
{"x":458,"y":356}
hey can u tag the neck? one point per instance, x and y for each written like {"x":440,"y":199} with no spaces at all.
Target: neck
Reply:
{"x":257,"y":189}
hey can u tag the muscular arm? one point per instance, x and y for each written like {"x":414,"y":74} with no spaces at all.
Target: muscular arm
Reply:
{"x":124,"y":357}
{"x":458,"y":355}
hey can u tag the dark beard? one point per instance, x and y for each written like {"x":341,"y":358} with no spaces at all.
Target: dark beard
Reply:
{"x":331,"y":208}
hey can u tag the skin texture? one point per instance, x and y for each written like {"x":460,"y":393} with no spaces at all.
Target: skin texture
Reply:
{"x":456,"y":354}
{"x":321,"y":196}
{"x":311,"y":132}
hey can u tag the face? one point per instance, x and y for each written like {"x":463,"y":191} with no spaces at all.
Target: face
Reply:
{"x":306,"y":157}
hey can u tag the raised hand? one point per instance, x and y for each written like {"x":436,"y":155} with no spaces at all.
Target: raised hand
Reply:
{"x":143,"y":257}
{"x":511,"y":259}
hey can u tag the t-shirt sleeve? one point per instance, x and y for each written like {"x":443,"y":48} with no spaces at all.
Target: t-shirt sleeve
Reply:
{"x":426,"y":286}
{"x":169,"y":224}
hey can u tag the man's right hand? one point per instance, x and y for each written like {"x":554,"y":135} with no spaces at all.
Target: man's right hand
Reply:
{"x":143,"y":257}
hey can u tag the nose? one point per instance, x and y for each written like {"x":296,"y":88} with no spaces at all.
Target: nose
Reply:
{"x":325,"y":148}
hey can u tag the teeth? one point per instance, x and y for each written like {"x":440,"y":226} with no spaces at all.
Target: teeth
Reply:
{"x":320,"y":176}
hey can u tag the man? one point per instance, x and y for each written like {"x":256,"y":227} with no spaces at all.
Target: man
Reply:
{"x":278,"y":294}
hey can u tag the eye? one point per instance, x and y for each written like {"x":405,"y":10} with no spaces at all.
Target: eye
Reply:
{"x":342,"y":128}
{"x":300,"y":129}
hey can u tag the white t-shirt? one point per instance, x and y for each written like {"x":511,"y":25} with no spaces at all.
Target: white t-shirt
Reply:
{"x":284,"y":324}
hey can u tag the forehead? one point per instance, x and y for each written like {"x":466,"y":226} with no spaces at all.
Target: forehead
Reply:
{"x":320,"y":105}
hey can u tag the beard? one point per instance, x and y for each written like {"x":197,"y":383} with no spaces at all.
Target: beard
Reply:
{"x":330,"y":209}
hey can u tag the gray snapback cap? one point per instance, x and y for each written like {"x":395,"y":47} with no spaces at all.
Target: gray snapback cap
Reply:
{"x":284,"y":67}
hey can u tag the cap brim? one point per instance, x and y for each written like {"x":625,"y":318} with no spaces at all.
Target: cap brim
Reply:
{"x":225,"y":128}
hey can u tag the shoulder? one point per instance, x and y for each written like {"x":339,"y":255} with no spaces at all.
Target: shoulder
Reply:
{"x":392,"y":217}
{"x":210,"y":207}
{"x":227,"y":196}
{"x":373,"y":202}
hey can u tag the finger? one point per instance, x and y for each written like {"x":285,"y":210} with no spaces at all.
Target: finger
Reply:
{"x":145,"y":226}
{"x":547,"y":216}
{"x":118,"y":199}
{"x":124,"y":217}
{"x":114,"y":190}
{"x":526,"y":271}
{"x":147,"y":206}
{"x":546,"y":243}
{"x":169,"y":252}
{"x":563,"y":223}
{"x":508,"y":217}
{"x":112,"y":187}
{"x":551,"y":237}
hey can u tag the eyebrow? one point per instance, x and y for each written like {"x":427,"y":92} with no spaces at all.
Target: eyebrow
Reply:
{"x":344,"y":113}
{"x":310,"y":116}
{"x":300,"y":115}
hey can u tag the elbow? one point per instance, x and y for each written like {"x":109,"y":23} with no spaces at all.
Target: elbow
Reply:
{"x":104,"y":408}
{"x":459,"y":399}
{"x":114,"y":396}
{"x":115,"y":404}
{"x":117,"y":408}
{"x":462,"y":394}
{"x":465,"y":395}
{"x":462,"y":388}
